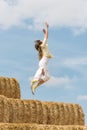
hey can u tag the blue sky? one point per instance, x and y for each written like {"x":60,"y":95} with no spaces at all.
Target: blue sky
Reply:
{"x":21,"y":22}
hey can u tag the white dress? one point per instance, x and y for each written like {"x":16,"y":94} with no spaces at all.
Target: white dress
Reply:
{"x":42,"y":65}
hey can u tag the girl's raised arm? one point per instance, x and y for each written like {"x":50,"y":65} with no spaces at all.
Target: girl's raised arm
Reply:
{"x":45,"y":31}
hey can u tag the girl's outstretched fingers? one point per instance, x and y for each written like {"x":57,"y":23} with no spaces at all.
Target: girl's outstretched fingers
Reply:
{"x":47,"y":25}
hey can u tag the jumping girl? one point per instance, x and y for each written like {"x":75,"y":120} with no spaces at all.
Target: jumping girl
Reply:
{"x":42,"y":74}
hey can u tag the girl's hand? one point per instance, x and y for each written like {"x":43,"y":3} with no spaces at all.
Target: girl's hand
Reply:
{"x":47,"y":25}
{"x":44,"y":31}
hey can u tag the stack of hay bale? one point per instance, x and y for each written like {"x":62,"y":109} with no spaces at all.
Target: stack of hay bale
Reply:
{"x":17,"y":114}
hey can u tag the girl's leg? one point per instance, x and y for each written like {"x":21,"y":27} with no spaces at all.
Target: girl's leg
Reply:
{"x":33,"y":82}
{"x":38,"y":83}
{"x":41,"y":81}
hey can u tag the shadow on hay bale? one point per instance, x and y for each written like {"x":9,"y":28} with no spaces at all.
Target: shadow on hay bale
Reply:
{"x":34,"y":111}
{"x":9,"y":87}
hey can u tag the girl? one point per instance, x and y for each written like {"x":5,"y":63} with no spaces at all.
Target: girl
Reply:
{"x":42,"y":74}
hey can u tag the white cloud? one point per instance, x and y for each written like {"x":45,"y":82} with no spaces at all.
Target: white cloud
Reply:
{"x":65,"y":82}
{"x":75,"y":61}
{"x":63,"y":13}
{"x":78,"y":64}
{"x":61,"y":82}
{"x":82,"y":97}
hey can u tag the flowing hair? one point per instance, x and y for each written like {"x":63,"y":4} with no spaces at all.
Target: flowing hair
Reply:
{"x":38,"y":48}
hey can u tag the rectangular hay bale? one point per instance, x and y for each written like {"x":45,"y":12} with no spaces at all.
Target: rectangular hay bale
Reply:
{"x":34,"y":111}
{"x":9,"y":87}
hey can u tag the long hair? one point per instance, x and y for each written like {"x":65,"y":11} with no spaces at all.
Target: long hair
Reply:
{"x":38,"y":48}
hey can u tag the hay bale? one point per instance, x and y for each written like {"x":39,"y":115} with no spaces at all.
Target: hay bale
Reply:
{"x":64,"y":113}
{"x":4,"y":110}
{"x":34,"y":111}
{"x":9,"y":87}
{"x":12,"y":126}
{"x":25,"y":111}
